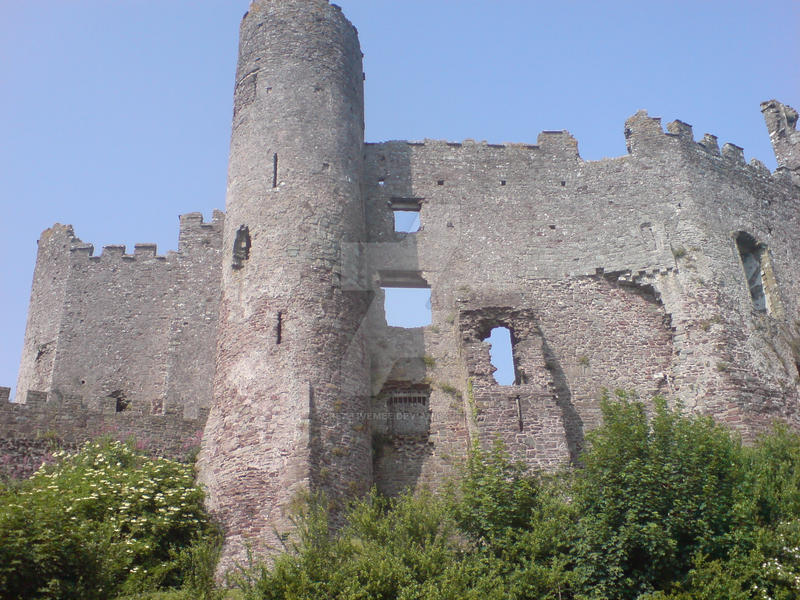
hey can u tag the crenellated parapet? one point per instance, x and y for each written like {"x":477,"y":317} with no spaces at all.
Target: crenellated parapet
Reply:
{"x":195,"y":233}
{"x":32,"y":428}
{"x":645,"y":137}
{"x":117,"y":324}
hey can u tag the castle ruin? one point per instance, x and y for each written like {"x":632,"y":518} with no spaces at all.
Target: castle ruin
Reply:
{"x":670,"y":270}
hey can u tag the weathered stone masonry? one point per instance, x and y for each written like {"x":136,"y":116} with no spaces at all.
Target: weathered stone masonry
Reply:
{"x":119,"y":344}
{"x":670,"y":270}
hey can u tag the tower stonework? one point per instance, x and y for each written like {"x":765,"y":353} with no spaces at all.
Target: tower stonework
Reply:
{"x":782,"y":125}
{"x":291,"y":357}
{"x":670,"y":270}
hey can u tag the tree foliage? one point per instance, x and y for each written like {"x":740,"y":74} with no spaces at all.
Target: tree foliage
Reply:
{"x":664,"y":506}
{"x":652,"y":494}
{"x":100,"y":522}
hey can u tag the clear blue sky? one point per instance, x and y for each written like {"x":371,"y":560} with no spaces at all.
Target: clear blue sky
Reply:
{"x":115,"y":115}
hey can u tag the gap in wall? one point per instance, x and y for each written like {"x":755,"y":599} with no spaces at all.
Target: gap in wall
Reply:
{"x":502,"y":355}
{"x":407,"y":307}
{"x":406,"y":221}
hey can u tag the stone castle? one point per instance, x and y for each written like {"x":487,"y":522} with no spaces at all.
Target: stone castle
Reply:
{"x":671,"y":270}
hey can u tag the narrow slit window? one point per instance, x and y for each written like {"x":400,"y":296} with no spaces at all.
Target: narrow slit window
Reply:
{"x":241,"y":247}
{"x":502,"y":355}
{"x":275,"y":170}
{"x":407,"y":307}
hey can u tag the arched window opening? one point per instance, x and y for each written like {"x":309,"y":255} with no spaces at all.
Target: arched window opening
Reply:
{"x":502,"y":356}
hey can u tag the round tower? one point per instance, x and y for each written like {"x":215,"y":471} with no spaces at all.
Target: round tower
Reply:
{"x":291,"y":388}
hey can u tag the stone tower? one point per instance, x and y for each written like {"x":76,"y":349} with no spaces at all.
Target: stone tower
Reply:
{"x":291,"y":390}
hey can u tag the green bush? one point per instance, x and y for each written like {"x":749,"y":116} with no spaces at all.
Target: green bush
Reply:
{"x":400,"y":548}
{"x":104,"y":521}
{"x":663,"y":507}
{"x":653,"y":494}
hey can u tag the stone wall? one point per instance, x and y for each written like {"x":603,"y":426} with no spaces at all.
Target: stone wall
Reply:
{"x":119,"y":344}
{"x":619,"y":273}
{"x":34,"y":429}
{"x":670,"y":270}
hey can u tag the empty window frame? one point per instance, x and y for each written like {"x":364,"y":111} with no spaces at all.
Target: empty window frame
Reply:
{"x":407,"y":299}
{"x":501,"y":355}
{"x":755,"y":261}
{"x":406,"y":212}
{"x":407,"y":307}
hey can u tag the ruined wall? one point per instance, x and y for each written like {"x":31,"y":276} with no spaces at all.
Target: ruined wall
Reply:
{"x":622,"y":272}
{"x":782,"y":125}
{"x":743,"y":356}
{"x":33,"y":429}
{"x":119,"y":344}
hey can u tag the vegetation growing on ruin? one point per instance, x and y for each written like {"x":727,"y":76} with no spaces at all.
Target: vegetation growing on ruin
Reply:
{"x":667,"y":507}
{"x":663,"y":507}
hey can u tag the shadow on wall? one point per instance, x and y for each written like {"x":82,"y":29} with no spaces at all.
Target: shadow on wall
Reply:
{"x":400,"y":420}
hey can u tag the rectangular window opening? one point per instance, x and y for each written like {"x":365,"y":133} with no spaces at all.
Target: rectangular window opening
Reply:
{"x":406,"y":213}
{"x":407,"y":307}
{"x":406,"y":221}
{"x":501,"y":355}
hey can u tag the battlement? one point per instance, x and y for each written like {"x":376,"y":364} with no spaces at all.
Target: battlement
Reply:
{"x":30,"y":427}
{"x":197,"y":234}
{"x":43,"y":406}
{"x":644,"y":135}
{"x":193,"y":230}
{"x":194,"y":221}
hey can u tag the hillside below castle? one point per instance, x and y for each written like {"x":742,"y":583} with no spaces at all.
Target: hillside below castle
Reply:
{"x":671,"y":270}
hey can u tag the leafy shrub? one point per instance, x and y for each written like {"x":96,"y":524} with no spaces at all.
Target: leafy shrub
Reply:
{"x":106,"y":520}
{"x":652,"y":494}
{"x":497,"y":496}
{"x":390,"y":548}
